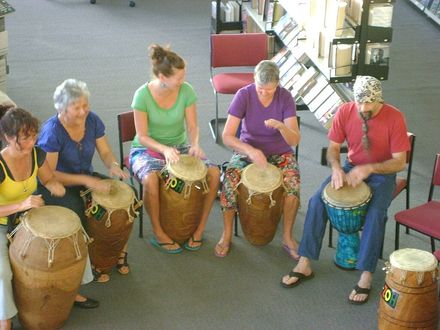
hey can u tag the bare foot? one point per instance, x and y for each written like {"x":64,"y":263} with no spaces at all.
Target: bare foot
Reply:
{"x":291,"y":249}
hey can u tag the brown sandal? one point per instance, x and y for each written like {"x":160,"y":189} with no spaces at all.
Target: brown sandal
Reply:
{"x":123,"y":267}
{"x":99,"y":276}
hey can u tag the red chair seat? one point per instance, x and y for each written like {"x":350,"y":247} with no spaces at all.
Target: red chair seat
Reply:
{"x":230,"y":83}
{"x":424,"y":218}
{"x":401,"y":184}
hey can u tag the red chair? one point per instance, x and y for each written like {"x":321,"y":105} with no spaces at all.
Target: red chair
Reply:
{"x":402,"y":182}
{"x":127,"y":132}
{"x":424,"y":218}
{"x":233,"y":50}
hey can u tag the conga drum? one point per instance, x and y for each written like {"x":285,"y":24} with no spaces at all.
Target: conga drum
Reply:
{"x":181,"y":194}
{"x":48,"y":255}
{"x":346,"y":208}
{"x":260,"y":202}
{"x":409,"y":296}
{"x":109,"y":223}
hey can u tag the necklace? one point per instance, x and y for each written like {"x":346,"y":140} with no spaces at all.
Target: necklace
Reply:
{"x":25,"y":185}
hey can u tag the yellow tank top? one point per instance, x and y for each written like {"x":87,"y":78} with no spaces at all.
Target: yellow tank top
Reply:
{"x":12,"y":191}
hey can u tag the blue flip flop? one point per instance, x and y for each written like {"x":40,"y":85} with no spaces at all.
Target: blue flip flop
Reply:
{"x":192,"y":248}
{"x":160,"y":246}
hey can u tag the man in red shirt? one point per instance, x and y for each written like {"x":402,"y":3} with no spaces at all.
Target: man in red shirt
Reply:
{"x":377,"y":141}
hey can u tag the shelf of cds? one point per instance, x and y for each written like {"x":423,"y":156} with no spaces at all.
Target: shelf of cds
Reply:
{"x":226,"y":16}
{"x":326,"y":44}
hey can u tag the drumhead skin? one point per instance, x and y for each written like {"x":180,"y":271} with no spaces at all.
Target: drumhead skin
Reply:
{"x":262,"y":180}
{"x":51,"y":222}
{"x":413,"y":260}
{"x":347,"y":196}
{"x":121,"y":195}
{"x":188,"y":168}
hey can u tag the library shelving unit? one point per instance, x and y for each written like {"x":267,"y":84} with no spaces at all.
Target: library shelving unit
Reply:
{"x":218,"y":26}
{"x":430,"y":8}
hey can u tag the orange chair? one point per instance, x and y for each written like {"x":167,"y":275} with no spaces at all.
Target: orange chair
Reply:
{"x":233,"y":50}
{"x":402,"y":183}
{"x":424,"y":218}
{"x":127,"y":132}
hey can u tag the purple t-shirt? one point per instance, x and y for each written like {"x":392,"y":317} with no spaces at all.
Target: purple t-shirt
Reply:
{"x":248,"y":107}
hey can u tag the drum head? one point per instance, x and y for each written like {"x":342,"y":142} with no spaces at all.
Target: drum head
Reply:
{"x":52,"y":222}
{"x":262,"y":180}
{"x":188,"y":168}
{"x":413,"y":260}
{"x":347,"y":196}
{"x":121,"y":195}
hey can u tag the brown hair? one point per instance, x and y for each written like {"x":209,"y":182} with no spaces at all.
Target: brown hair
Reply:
{"x":164,"y":60}
{"x":15,"y":121}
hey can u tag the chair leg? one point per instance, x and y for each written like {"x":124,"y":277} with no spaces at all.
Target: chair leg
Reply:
{"x":407,"y":207}
{"x":216,"y":118}
{"x":432,"y":244}
{"x":330,"y":235}
{"x":396,"y":237}
{"x":141,"y":213}
{"x":236,"y":224}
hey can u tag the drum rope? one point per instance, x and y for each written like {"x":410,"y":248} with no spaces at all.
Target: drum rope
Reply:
{"x":51,"y":246}
{"x":205,"y":186}
{"x":252,"y":193}
{"x":14,"y":231}
{"x":420,"y":277}
{"x":74,"y":239}
{"x":403,"y":276}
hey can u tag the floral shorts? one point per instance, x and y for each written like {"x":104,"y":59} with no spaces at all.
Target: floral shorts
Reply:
{"x":285,"y":162}
{"x":143,"y":162}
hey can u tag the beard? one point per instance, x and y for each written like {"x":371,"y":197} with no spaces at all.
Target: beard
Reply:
{"x":365,"y":115}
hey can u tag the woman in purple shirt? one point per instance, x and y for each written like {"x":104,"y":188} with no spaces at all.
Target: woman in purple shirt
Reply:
{"x":269,"y":130}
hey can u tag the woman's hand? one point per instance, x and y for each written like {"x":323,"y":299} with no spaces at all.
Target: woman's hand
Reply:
{"x":33,"y":201}
{"x":171,"y":155}
{"x":273,"y":123}
{"x":258,"y":157}
{"x":116,"y":171}
{"x":98,"y":185}
{"x":196,"y":151}
{"x":55,"y":188}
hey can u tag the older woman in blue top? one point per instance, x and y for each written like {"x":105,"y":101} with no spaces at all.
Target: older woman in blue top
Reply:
{"x":70,"y":139}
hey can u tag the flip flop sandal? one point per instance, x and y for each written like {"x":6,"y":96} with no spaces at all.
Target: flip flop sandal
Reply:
{"x":120,"y":266}
{"x":222,"y":246}
{"x":160,"y":246}
{"x":192,"y":248}
{"x":300,"y":276}
{"x":358,"y":290}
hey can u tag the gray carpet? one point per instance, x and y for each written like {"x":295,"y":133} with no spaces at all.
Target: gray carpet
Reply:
{"x":106,"y":46}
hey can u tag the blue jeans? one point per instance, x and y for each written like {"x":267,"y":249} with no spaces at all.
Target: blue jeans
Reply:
{"x":382,"y":187}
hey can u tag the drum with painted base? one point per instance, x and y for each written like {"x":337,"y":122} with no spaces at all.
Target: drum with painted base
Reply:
{"x":260,"y":202}
{"x":409,"y":298}
{"x":182,"y":195}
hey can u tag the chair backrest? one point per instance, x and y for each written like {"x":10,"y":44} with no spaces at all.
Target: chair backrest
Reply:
{"x":435,"y":181}
{"x":409,"y":157}
{"x":238,"y":49}
{"x":126,"y":130}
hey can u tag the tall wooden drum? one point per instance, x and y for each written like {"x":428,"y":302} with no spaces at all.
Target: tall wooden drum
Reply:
{"x":109,"y":222}
{"x":260,"y":202}
{"x":409,"y":297}
{"x":48,"y":255}
{"x":182,"y":189}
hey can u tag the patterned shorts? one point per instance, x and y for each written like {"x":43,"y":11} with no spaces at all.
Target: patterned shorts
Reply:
{"x":285,"y":162}
{"x":142,"y":163}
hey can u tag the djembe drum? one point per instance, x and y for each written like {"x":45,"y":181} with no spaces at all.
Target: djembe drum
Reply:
{"x":346,"y":208}
{"x":260,"y":202}
{"x":48,"y":255}
{"x":109,"y":223}
{"x":409,"y":296}
{"x":182,"y":196}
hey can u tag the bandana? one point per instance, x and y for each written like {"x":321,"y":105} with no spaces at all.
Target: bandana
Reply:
{"x":367,"y":89}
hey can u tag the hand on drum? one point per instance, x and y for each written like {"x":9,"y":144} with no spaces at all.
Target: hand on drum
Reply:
{"x":357,"y":174}
{"x":258,"y":158}
{"x":56,"y":188}
{"x":99,"y":185}
{"x":196,"y":151}
{"x":338,"y":178}
{"x":116,"y":171}
{"x":33,"y":201}
{"x":171,"y":155}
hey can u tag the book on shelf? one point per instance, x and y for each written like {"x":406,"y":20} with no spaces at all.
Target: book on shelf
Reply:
{"x":278,"y":11}
{"x":291,"y":76}
{"x":305,"y":79}
{"x":354,"y":10}
{"x":281,"y":24}
{"x":380,"y":15}
{"x":332,"y":104}
{"x":285,"y":66}
{"x":377,"y":54}
{"x":261,"y":5}
{"x":281,"y":56}
{"x":268,"y":11}
{"x":316,"y":103}
{"x":313,"y":92}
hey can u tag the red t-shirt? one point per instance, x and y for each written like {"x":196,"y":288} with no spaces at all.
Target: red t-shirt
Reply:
{"x":387,"y":133}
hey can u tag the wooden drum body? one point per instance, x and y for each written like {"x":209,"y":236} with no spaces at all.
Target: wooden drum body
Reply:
{"x":109,"y":222}
{"x":48,"y":255}
{"x":260,"y":202}
{"x":182,"y":196}
{"x":409,"y":297}
{"x":346,"y":208}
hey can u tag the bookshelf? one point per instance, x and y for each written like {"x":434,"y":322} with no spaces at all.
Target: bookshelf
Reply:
{"x":430,"y":8}
{"x":5,"y":9}
{"x":219,"y":26}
